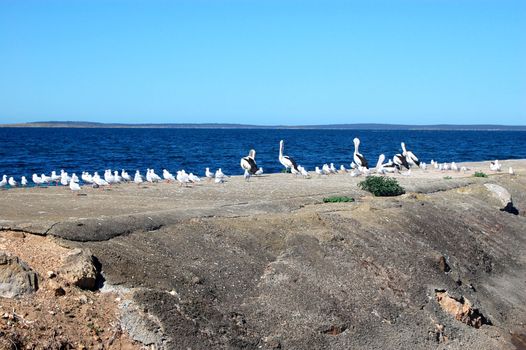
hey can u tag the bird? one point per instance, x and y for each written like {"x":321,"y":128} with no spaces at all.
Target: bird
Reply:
{"x":318,"y":171}
{"x":64,"y":181}
{"x":454,"y":166}
{"x":182,"y":177}
{"x":247,"y":173}
{"x":495,"y":166}
{"x":108,"y":176}
{"x":168,"y":176}
{"x":287,"y":161}
{"x":249,"y":162}
{"x":410,"y":157}
{"x":99,"y":181}
{"x":56,"y":178}
{"x":125,"y":176}
{"x":379,"y":164}
{"x":45,"y":179}
{"x":332,"y":168}
{"x":463,"y":169}
{"x":193,"y":178}
{"x":4,"y":181}
{"x":154,"y":176}
{"x":74,"y":186}
{"x":303,"y":172}
{"x":325,"y":169}
{"x":36,"y":179}
{"x":259,"y":172}
{"x":12,"y":182}
{"x":219,"y":174}
{"x":400,"y":161}
{"x":74,"y":178}
{"x":86,"y":177}
{"x":138,"y":178}
{"x":23,"y":181}
{"x":358,"y":158}
{"x":342,"y":169}
{"x":209,"y":175}
{"x":116,"y":177}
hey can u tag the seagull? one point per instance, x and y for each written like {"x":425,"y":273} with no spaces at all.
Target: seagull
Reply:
{"x":4,"y":181}
{"x":125,"y":176}
{"x":182,"y":177}
{"x":193,"y":178}
{"x":358,"y":158}
{"x":23,"y":181}
{"x":332,"y":169}
{"x":74,"y":186}
{"x":318,"y":171}
{"x":249,"y":162}
{"x":259,"y":172}
{"x":116,"y":178}
{"x":325,"y":169}
{"x":56,"y":178}
{"x":64,"y":181}
{"x":410,"y":157}
{"x":209,"y":175}
{"x":37,"y":180}
{"x":219,"y":174}
{"x":138,"y":178}
{"x":287,"y":161}
{"x":464,"y":169}
{"x":495,"y":166}
{"x":99,"y":181}
{"x":155,"y":177}
{"x":45,"y":179}
{"x":342,"y":169}
{"x":454,"y":166}
{"x":86,"y":177}
{"x":303,"y":172}
{"x":108,"y":176}
{"x":12,"y":182}
{"x":167,"y":176}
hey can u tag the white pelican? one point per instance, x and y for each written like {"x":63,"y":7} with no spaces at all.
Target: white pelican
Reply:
{"x":358,"y":158}
{"x":23,"y":181}
{"x":259,"y":172}
{"x":138,"y":178}
{"x":249,"y":162}
{"x":12,"y":182}
{"x":287,"y":161}
{"x":4,"y":181}
{"x":410,"y":157}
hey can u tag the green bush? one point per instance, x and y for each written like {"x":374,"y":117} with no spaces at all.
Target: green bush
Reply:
{"x":480,"y":174}
{"x":381,"y":186}
{"x":338,"y":199}
{"x":447,"y":177}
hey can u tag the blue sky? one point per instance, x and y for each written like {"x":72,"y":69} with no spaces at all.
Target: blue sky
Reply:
{"x":264,"y":62}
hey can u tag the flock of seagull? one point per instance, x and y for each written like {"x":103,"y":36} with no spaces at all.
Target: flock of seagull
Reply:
{"x":359,"y":166}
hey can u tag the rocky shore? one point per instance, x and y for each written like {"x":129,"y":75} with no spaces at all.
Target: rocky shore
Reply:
{"x":266,"y":264}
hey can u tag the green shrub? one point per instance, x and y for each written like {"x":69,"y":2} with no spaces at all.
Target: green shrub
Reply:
{"x":480,"y":174}
{"x":381,"y":186}
{"x":286,"y":171}
{"x":338,"y":199}
{"x":447,"y":177}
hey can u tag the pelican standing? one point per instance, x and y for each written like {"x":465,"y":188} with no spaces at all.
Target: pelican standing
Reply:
{"x":410,"y":157}
{"x":249,"y":162}
{"x":287,"y":161}
{"x":358,"y":158}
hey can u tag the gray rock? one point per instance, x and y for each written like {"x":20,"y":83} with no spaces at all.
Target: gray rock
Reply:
{"x":79,"y":269}
{"x":503,"y":196}
{"x":16,"y":278}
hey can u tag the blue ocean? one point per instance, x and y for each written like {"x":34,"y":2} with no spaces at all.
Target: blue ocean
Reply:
{"x":24,"y":151}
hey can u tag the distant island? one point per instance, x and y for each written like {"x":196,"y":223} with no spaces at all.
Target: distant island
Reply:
{"x":358,"y":126}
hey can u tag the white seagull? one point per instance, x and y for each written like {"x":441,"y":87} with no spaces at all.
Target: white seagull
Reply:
{"x":12,"y":182}
{"x":4,"y":181}
{"x":209,"y":175}
{"x":138,"y":178}
{"x":23,"y":181}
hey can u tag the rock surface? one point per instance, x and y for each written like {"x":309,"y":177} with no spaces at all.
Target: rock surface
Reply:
{"x":16,"y":278}
{"x":79,"y":269}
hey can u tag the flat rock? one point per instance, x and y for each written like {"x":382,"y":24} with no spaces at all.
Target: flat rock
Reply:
{"x":79,"y":269}
{"x":16,"y":277}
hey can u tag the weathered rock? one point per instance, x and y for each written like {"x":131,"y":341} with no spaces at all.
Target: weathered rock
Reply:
{"x":502,"y":194}
{"x":16,"y":278}
{"x":461,"y":309}
{"x":79,"y":269}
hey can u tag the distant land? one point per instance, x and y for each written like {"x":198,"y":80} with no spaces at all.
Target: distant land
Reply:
{"x":359,"y":126}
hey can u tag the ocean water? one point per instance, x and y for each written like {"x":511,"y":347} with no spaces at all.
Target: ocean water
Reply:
{"x":24,"y":151}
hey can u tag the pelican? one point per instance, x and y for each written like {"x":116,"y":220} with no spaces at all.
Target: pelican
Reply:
{"x":287,"y":161}
{"x":12,"y":182}
{"x":259,"y":172}
{"x":23,"y":181}
{"x":249,"y":162}
{"x":410,"y":157}
{"x":247,"y":173}
{"x":4,"y":181}
{"x":400,"y":160}
{"x":358,"y":158}
{"x":138,"y":178}
{"x":379,"y":164}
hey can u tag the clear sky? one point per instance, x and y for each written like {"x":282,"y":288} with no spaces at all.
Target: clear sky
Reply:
{"x":264,"y":62}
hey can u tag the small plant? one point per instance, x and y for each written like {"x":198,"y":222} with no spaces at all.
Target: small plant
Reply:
{"x":480,"y":174}
{"x":286,"y":171}
{"x":338,"y":199}
{"x":381,"y":186}
{"x":447,"y":177}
